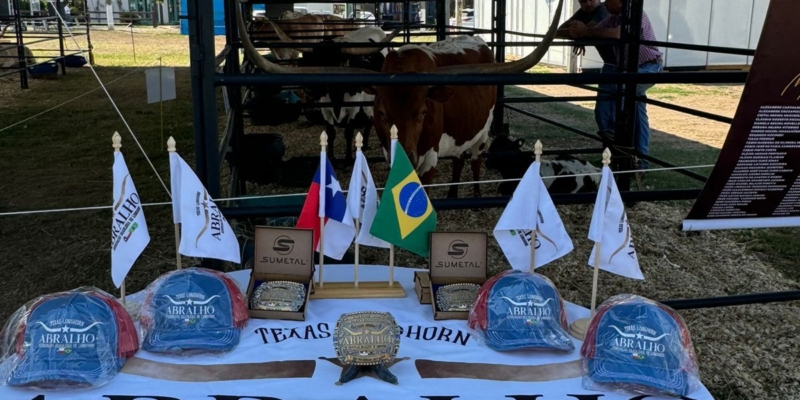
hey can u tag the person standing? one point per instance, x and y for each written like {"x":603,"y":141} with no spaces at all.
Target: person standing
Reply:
{"x":650,"y":61}
{"x":590,"y":13}
{"x":67,"y":17}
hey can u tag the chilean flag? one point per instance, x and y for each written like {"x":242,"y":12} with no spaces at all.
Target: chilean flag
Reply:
{"x":325,"y":199}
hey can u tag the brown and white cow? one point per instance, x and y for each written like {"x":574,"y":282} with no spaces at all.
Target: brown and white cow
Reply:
{"x":433,"y":121}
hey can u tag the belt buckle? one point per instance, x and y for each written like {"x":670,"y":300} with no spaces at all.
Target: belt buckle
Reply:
{"x":278,"y":296}
{"x":457,"y":296}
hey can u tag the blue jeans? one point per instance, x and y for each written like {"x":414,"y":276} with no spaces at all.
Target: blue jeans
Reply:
{"x":605,"y":111}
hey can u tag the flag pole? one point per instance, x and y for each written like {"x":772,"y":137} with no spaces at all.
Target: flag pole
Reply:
{"x":391,"y":246}
{"x":606,"y":161}
{"x":171,"y":148}
{"x":537,"y":150}
{"x":359,"y":144}
{"x":116,"y":142}
{"x":323,"y":142}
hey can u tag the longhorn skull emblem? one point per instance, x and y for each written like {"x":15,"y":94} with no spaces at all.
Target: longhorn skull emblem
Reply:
{"x":66,"y":328}
{"x":529,"y":303}
{"x":190,"y":302}
{"x":639,"y":335}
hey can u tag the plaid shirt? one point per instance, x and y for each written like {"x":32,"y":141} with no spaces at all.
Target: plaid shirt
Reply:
{"x":646,"y":53}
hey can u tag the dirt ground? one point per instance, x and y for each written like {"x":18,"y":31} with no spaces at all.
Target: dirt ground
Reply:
{"x":62,"y":159}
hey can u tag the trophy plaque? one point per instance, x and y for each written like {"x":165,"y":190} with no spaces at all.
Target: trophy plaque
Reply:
{"x":278,"y":296}
{"x":457,"y":296}
{"x":366,"y":341}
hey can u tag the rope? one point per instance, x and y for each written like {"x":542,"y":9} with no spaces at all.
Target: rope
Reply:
{"x":115,"y":105}
{"x":73,"y":99}
{"x":274,"y":196}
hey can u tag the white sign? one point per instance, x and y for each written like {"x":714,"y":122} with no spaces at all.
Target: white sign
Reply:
{"x":166,"y":75}
{"x":292,"y":360}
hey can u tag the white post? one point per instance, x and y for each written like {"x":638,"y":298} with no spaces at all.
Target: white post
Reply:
{"x":606,"y":161}
{"x":110,"y":15}
{"x":537,"y":150}
{"x":359,"y":144}
{"x":323,"y":142}
{"x":171,"y":148}
{"x":391,"y":246}
{"x":116,"y":141}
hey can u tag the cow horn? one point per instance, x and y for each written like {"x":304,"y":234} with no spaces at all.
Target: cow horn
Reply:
{"x":515,"y":66}
{"x":365,"y":51}
{"x":286,"y":39}
{"x":269,"y":67}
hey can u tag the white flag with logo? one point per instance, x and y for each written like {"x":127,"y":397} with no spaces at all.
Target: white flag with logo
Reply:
{"x":129,"y":235}
{"x":362,"y":200}
{"x":531,"y":210}
{"x":610,"y":227}
{"x":205,"y":232}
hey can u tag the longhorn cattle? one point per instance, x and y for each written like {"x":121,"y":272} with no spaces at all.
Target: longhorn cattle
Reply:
{"x":433,"y":121}
{"x":350,"y":117}
{"x":515,"y":164}
{"x":9,"y":54}
{"x":307,"y":28}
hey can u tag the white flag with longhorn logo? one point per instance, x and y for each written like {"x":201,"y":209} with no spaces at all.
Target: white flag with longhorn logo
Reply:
{"x":205,"y":232}
{"x":531,"y":210}
{"x":129,"y":235}
{"x":610,"y":227}
{"x":362,"y":200}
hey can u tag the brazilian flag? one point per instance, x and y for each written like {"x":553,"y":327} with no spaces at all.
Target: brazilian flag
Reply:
{"x":405,"y":216}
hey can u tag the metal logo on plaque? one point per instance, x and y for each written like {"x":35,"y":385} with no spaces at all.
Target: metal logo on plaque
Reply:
{"x":278,"y":296}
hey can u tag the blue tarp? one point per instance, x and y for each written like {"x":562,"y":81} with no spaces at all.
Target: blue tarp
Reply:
{"x":219,"y":17}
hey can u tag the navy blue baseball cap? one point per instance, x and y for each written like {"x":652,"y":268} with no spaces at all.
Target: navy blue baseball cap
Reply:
{"x":192,"y":310}
{"x":641,"y":346}
{"x":522,"y":310}
{"x":67,"y":339}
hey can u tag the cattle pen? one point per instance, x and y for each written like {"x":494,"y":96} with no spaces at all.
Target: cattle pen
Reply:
{"x":16,"y":57}
{"x":211,"y":71}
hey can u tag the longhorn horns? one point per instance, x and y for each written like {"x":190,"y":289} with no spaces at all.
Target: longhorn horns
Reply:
{"x":513,"y":67}
{"x":359,"y":51}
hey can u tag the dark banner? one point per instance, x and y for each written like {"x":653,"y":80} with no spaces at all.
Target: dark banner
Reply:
{"x":754,"y":183}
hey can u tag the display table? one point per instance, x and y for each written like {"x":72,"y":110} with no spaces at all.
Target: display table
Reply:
{"x":292,"y":360}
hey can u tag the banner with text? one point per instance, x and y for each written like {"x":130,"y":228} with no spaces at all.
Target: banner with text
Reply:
{"x":754,"y":182}
{"x":295,"y":360}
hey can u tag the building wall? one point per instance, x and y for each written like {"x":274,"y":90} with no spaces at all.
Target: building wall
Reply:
{"x":726,"y":23}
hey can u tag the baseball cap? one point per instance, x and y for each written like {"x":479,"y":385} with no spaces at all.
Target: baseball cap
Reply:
{"x":520,"y":310}
{"x":634,"y":344}
{"x":77,"y":338}
{"x":192,"y":310}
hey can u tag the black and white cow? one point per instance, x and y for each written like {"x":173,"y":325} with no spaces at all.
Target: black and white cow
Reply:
{"x":513,"y":166}
{"x":349,"y":117}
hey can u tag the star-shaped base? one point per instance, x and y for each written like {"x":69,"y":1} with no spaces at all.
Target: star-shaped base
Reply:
{"x":380,"y":371}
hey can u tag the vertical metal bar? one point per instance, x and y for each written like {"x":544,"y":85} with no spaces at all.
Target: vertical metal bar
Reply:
{"x":441,"y":20}
{"x":62,"y":61}
{"x":23,"y":61}
{"x":88,"y":30}
{"x":626,"y":138}
{"x":500,"y":56}
{"x":234,"y":92}
{"x":407,"y":19}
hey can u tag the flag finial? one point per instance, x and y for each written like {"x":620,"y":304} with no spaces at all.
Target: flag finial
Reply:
{"x":359,"y":141}
{"x":171,"y":144}
{"x":606,"y":156}
{"x":537,"y":149}
{"x":116,"y":141}
{"x":394,"y":132}
{"x":323,"y":140}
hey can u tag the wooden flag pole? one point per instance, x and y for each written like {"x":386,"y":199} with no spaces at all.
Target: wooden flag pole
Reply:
{"x":171,"y":148}
{"x":578,"y":328}
{"x":359,"y":144}
{"x":116,"y":142}
{"x":323,"y":142}
{"x":391,"y":246}
{"x":537,"y":150}
{"x":606,"y":161}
